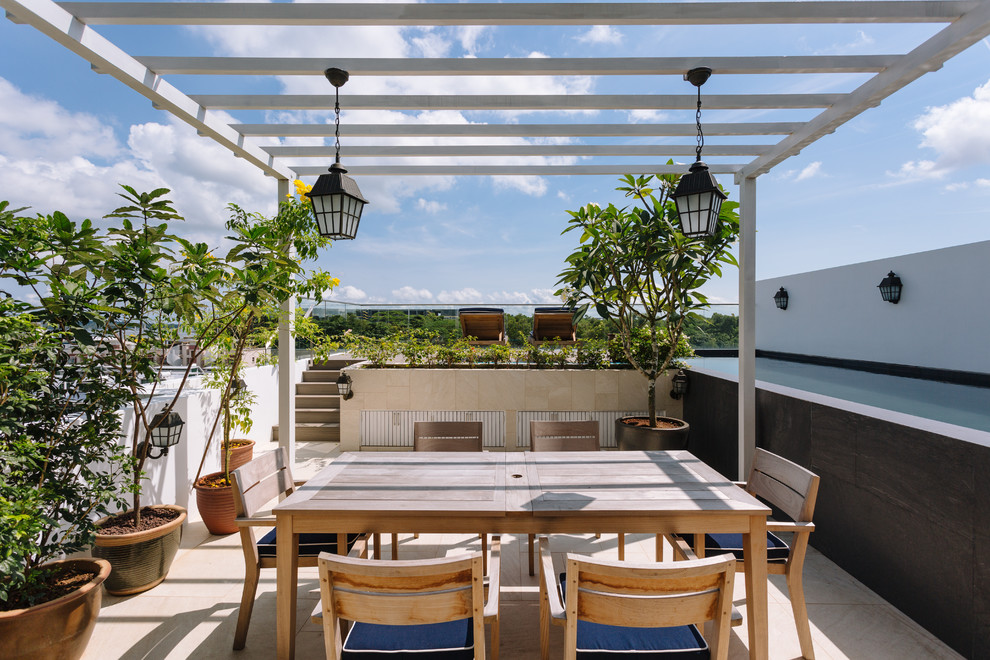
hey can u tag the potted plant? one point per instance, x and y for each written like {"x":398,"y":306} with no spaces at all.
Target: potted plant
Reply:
{"x":59,"y":445}
{"x":640,"y":272}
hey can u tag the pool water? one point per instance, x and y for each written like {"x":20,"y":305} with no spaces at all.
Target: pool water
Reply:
{"x":946,"y":402}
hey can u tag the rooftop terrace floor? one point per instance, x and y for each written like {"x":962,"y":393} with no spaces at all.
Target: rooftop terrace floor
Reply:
{"x":193,"y":613}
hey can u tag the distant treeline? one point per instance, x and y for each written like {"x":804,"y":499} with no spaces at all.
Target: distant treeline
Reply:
{"x":718,"y":331}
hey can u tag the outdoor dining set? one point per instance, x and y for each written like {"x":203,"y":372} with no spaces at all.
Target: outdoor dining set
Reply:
{"x":438,"y":608}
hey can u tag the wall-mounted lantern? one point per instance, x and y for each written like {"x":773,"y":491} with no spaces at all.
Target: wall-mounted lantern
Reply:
{"x":166,"y":429}
{"x":679,"y":383}
{"x":890,"y":288}
{"x":344,"y":386}
{"x":780,"y":298}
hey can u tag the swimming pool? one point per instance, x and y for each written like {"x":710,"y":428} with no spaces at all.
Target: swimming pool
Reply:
{"x":946,"y":402}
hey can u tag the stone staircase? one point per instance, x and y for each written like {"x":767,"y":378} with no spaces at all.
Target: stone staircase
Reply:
{"x":317,"y":402}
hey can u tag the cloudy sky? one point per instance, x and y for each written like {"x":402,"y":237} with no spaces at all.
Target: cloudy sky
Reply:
{"x":910,"y":175}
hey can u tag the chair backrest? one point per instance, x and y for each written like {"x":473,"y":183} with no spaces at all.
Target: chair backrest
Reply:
{"x":483,"y":323}
{"x":260,"y":481}
{"x":564,"y":436}
{"x":447,"y":436}
{"x":553,"y":323}
{"x":618,"y":593}
{"x":786,"y":485}
{"x":402,"y":592}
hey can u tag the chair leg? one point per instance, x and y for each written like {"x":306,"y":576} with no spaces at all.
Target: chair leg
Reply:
{"x":532,"y":566}
{"x":377,"y":541}
{"x":544,"y":620}
{"x":494,"y":649}
{"x":660,"y":548}
{"x":251,"y":575}
{"x":795,"y":589}
{"x":484,"y":553}
{"x":395,"y":546}
{"x":622,"y":546}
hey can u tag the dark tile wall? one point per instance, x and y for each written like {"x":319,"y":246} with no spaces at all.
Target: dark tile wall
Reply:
{"x":905,"y":511}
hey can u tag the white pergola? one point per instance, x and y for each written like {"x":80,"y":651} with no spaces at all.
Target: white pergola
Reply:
{"x":965,"y":22}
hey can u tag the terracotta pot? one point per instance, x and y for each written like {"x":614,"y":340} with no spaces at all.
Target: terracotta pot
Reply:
{"x":242,"y":453}
{"x":140,"y":560}
{"x":216,"y":506}
{"x":60,"y":628}
{"x":645,"y":438}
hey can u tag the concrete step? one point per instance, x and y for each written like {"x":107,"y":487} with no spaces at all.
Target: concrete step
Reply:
{"x":313,"y":431}
{"x":317,"y":415}
{"x":316,"y":388}
{"x":317,"y":401}
{"x":320,"y":375}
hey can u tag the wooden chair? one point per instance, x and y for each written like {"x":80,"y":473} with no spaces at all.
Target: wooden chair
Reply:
{"x":564,"y":436}
{"x":792,"y":489}
{"x":446,"y":436}
{"x":257,"y":484}
{"x":614,"y":608}
{"x":485,"y":324}
{"x":553,"y":323}
{"x":432,"y":608}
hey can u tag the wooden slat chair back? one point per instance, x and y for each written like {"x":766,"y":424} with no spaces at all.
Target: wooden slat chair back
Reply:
{"x":664,"y":602}
{"x":404,"y":593}
{"x":552,"y":435}
{"x":793,"y":490}
{"x":553,"y":324}
{"x":485,"y":325}
{"x":447,"y":436}
{"x":256,"y":485}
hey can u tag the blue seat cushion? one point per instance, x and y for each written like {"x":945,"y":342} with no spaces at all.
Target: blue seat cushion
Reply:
{"x":597,"y":641}
{"x":451,"y":640}
{"x":310,"y":545}
{"x":721,"y":544}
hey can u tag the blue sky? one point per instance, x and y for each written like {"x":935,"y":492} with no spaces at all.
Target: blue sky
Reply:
{"x":910,"y":175}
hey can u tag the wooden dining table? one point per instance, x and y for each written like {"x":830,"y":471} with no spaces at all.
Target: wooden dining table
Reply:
{"x":520,"y":493}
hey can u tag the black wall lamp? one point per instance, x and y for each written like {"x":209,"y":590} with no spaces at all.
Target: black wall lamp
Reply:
{"x":679,"y":383}
{"x":697,"y":196}
{"x":166,"y":429}
{"x":336,"y":198}
{"x":780,"y":298}
{"x":890,"y":288}
{"x":344,"y":386}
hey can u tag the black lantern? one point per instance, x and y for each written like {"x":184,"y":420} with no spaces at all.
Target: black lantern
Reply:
{"x":166,"y":429}
{"x":698,"y":196}
{"x":780,"y":298}
{"x":679,"y":383}
{"x":890,"y":288}
{"x":336,"y":198}
{"x":344,"y":386}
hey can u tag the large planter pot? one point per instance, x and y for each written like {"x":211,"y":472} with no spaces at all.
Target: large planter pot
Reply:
{"x":672,"y":434}
{"x":140,"y":560}
{"x":216,"y":505}
{"x":60,"y":628}
{"x":241,"y":452}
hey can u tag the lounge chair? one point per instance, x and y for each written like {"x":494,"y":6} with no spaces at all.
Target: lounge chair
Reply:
{"x":553,"y":324}
{"x":485,"y":324}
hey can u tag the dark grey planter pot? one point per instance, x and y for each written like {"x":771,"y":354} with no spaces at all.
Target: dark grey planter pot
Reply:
{"x":645,"y":438}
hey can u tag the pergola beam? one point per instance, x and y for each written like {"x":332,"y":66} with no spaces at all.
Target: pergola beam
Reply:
{"x":406,"y":14}
{"x":929,"y":56}
{"x":516,"y":101}
{"x":515,"y":66}
{"x":510,"y":170}
{"x":512,"y":130}
{"x":483,"y":151}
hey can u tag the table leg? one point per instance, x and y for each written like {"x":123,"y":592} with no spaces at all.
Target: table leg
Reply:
{"x":755,"y":553}
{"x":287,"y":578}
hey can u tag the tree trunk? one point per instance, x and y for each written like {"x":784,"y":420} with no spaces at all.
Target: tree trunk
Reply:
{"x":653,"y":402}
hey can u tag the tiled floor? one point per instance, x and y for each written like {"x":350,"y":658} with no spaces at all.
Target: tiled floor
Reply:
{"x":193,"y":613}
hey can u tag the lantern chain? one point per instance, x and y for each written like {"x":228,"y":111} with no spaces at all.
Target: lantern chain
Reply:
{"x":336,"y":109}
{"x":697,"y":119}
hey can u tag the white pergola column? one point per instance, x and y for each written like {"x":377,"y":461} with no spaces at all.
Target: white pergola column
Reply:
{"x":286,"y":365}
{"x":747,"y":324}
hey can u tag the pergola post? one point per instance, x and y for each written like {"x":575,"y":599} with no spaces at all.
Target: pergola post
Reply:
{"x":747,"y":324}
{"x":286,"y":365}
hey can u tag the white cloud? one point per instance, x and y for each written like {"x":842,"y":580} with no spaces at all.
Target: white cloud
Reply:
{"x":953,"y":187}
{"x":811,"y":171}
{"x":534,"y":186}
{"x":531,"y":297}
{"x":474,"y":38}
{"x":915,"y":170}
{"x":430,"y":206}
{"x":347,"y":293}
{"x":859,"y":43}
{"x":958,"y":132}
{"x":983,"y":183}
{"x":601,"y":34}
{"x":646,"y":116}
{"x":460,"y":297}
{"x":410,"y":294}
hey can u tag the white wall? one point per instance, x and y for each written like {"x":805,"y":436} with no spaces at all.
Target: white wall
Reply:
{"x":169,"y":480}
{"x":942,"y":320}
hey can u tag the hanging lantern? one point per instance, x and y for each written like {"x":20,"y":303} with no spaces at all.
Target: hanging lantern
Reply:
{"x":780,"y":298}
{"x":679,"y":384}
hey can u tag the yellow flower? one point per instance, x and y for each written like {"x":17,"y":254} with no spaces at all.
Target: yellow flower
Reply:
{"x":334,"y":282}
